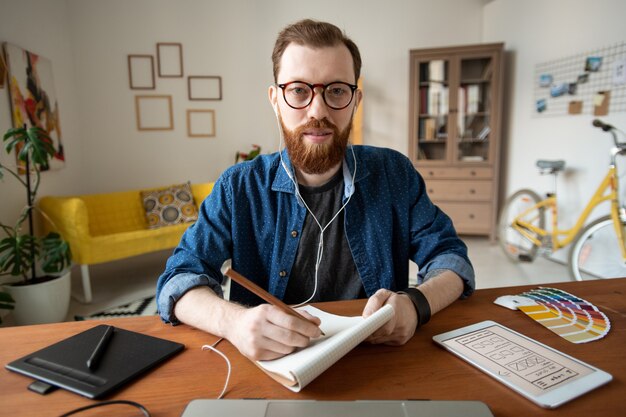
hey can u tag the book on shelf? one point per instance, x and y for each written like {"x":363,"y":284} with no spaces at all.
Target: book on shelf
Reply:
{"x":484,"y":132}
{"x":473,"y":99}
{"x":472,"y":158}
{"x":487,"y":71}
{"x":461,"y":100}
{"x":443,"y":103}
{"x":436,"y":70}
{"x":423,"y":100}
{"x":429,"y":129}
{"x":342,"y":334}
{"x":434,"y":97}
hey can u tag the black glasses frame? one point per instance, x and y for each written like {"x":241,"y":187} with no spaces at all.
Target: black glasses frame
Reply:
{"x":352,"y":87}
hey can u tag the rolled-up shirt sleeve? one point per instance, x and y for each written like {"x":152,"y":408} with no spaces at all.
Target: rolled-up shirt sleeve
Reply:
{"x":454,"y":263}
{"x":176,"y":287}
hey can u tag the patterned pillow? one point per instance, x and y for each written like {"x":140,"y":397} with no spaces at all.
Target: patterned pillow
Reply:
{"x":170,"y":205}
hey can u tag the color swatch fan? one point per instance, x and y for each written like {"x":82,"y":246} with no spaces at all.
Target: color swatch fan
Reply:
{"x":570,"y":317}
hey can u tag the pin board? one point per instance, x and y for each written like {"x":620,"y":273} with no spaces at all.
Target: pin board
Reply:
{"x":591,"y":82}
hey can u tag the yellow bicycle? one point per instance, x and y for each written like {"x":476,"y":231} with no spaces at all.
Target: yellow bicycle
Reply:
{"x":598,"y":250}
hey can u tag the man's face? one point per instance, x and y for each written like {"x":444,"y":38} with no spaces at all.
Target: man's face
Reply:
{"x":316,"y":136}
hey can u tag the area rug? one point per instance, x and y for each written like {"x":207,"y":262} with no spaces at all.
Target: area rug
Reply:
{"x":142,"y":307}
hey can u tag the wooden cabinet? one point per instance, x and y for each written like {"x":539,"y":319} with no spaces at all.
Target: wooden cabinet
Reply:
{"x":454,"y":126}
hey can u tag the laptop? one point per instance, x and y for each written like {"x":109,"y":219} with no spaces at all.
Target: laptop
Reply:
{"x":313,"y":408}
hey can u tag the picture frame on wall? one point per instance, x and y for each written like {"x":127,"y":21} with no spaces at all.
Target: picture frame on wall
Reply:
{"x":154,"y":112}
{"x":204,"y":87}
{"x":170,"y":59}
{"x":200,"y":123}
{"x":141,"y":72}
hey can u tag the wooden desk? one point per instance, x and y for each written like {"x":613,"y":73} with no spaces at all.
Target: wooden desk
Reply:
{"x":417,"y":370}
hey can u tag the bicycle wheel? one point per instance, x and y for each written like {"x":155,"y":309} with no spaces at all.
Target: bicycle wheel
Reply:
{"x":596,"y":252}
{"x":515,"y":245}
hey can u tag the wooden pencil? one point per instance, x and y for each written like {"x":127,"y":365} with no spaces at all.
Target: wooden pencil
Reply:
{"x":261,"y":293}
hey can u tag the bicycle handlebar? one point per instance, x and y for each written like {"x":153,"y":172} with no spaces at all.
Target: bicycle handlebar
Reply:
{"x":613,"y":131}
{"x":604,"y":126}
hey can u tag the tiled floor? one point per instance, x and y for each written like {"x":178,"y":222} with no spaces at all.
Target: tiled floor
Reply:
{"x":124,"y":281}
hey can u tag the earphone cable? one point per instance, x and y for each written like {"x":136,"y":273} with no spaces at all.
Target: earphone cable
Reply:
{"x":214,"y":349}
{"x":320,"y":249}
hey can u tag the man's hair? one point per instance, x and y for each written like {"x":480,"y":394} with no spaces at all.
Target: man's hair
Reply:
{"x":314,"y":34}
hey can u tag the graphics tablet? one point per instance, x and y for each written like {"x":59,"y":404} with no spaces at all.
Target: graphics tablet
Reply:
{"x":544,"y":375}
{"x":64,"y":364}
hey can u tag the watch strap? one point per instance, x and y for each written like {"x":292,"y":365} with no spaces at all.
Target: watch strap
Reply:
{"x":422,"y":308}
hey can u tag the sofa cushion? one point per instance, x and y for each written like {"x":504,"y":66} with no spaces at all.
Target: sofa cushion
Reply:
{"x":170,"y":205}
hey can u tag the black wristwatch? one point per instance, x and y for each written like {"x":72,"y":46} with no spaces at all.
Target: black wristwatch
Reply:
{"x":422,"y":308}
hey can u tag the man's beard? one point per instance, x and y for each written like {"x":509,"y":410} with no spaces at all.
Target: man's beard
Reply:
{"x":315,"y":158}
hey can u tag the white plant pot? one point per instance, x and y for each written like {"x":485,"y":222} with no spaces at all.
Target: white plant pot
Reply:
{"x":46,"y":302}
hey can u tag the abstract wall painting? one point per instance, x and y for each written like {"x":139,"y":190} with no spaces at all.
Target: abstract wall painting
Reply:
{"x":33,"y":97}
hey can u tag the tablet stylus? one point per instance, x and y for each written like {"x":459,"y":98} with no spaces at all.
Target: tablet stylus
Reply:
{"x":101,"y":347}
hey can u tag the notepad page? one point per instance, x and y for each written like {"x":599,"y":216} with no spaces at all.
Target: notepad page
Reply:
{"x":342,"y":335}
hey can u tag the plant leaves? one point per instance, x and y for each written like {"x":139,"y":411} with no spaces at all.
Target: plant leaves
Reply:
{"x":35,"y":142}
{"x":5,"y":297}
{"x":55,"y":254}
{"x":17,"y":254}
{"x":6,"y":301}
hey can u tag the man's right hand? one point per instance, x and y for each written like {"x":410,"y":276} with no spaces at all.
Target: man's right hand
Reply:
{"x":259,"y":333}
{"x":265,"y":332}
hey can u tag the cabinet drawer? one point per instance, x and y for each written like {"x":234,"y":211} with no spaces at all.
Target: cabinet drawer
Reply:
{"x":456,"y":172}
{"x":460,"y":190}
{"x":469,"y":217}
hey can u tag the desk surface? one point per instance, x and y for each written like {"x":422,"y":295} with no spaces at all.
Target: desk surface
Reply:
{"x":417,"y":370}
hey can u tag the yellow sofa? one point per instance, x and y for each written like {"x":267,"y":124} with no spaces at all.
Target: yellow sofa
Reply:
{"x":109,"y":226}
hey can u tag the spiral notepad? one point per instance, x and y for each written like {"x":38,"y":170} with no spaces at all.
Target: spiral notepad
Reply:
{"x":343,"y":334}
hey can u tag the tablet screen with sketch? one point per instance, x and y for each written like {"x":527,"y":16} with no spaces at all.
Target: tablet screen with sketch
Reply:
{"x":536,"y":371}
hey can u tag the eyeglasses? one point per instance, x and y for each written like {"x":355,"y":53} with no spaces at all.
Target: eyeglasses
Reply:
{"x":337,"y":95}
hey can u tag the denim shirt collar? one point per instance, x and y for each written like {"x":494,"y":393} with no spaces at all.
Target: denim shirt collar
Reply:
{"x":282,"y":181}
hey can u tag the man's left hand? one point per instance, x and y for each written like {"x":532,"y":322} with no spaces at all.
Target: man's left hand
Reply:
{"x":402,"y":325}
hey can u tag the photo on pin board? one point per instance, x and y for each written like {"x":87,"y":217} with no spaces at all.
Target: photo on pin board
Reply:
{"x":541,"y":105}
{"x":545,"y":80}
{"x":619,"y":71}
{"x":593,"y":63}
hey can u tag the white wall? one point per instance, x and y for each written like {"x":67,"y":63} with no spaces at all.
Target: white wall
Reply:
{"x":536,"y":31}
{"x":42,"y":27}
{"x":88,"y":42}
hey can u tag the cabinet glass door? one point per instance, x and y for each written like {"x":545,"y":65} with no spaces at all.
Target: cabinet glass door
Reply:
{"x":474,"y":104}
{"x":433,"y":106}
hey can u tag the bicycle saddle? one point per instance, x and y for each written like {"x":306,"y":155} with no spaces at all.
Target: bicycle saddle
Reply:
{"x":553,"y":166}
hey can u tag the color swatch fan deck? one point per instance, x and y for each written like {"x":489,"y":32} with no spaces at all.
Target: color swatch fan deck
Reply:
{"x":570,"y":317}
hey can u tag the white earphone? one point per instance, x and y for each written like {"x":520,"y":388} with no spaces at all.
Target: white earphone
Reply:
{"x":320,"y":247}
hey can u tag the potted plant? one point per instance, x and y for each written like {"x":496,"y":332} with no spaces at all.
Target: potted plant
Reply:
{"x":23,"y":254}
{"x":6,"y":302}
{"x":253,"y":153}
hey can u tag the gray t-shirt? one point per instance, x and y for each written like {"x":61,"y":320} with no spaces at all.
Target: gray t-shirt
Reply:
{"x":338,"y":277}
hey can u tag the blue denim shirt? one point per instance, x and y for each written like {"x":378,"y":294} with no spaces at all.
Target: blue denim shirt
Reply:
{"x":254,"y":217}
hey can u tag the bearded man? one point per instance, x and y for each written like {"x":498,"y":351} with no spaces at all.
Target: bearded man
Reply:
{"x":317,"y":221}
